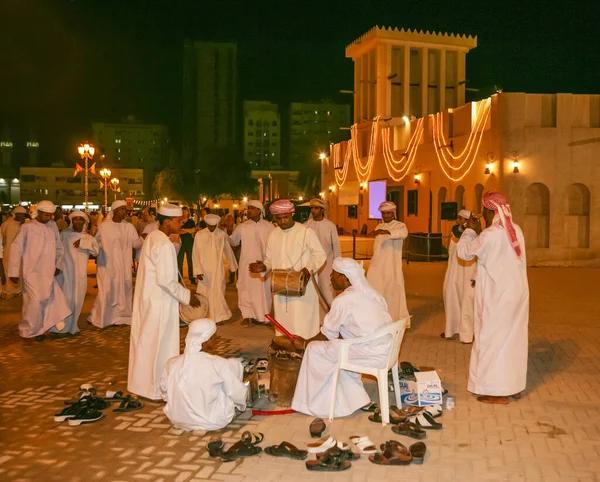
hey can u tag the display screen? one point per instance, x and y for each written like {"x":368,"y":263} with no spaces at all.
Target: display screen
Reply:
{"x":377,"y":195}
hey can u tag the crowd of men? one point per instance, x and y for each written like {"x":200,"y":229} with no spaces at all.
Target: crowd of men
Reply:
{"x":485,"y":295}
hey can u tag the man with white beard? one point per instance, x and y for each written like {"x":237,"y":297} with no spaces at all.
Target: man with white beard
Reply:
{"x":78,"y":246}
{"x":38,"y":253}
{"x":498,"y":368}
{"x":459,"y":287}
{"x":116,"y":238}
{"x":8,"y":232}
{"x":327,"y":233}
{"x":254,"y":291}
{"x":154,"y":334}
{"x":385,"y":271}
{"x":210,"y":245}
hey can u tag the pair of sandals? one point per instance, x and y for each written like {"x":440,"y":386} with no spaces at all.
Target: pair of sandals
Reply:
{"x":395,"y":453}
{"x":247,"y":446}
{"x":334,"y":459}
{"x":83,"y":411}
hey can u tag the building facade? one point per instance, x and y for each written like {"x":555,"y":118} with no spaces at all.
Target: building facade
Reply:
{"x":209,"y":98}
{"x":540,"y":150}
{"x":12,"y":154}
{"x":313,"y":126}
{"x":262,"y":135}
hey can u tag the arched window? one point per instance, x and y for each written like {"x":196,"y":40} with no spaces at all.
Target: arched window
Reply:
{"x":537,"y":216}
{"x":577,"y":216}
{"x":459,"y":194}
{"x":441,"y":199}
{"x":478,"y":195}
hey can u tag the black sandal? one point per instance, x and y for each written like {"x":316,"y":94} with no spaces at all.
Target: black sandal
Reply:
{"x":129,"y":404}
{"x":215,"y":447}
{"x":317,"y":428}
{"x":328,"y":463}
{"x":410,"y":429}
{"x":286,"y":449}
{"x":418,"y":450}
{"x":239,"y":450}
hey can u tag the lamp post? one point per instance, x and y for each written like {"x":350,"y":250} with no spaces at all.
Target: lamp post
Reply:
{"x":105,"y":173}
{"x":114,"y":186}
{"x":86,"y":151}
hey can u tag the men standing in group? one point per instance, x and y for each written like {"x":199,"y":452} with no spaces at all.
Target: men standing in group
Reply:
{"x":78,"y":247}
{"x":459,"y":287}
{"x":254,"y":291}
{"x":293,"y":246}
{"x":188,"y":230}
{"x":37,"y":252}
{"x":328,"y":236}
{"x":155,"y":322}
{"x":210,"y":245}
{"x":8,"y":231}
{"x":498,"y":368}
{"x":116,"y":238}
{"x":385,"y":271}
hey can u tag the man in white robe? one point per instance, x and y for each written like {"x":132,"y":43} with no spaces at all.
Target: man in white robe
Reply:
{"x":202,"y":391}
{"x":498,"y":368}
{"x":37,"y":253}
{"x":328,"y":236}
{"x":254,"y":291}
{"x":78,"y":247}
{"x":211,"y":244}
{"x":8,"y":232}
{"x":293,"y":246}
{"x":154,"y":334}
{"x":358,"y":311}
{"x":116,"y":238}
{"x":459,"y":287}
{"x":385,"y":271}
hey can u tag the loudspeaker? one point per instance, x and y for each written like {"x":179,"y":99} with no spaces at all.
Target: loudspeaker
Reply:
{"x":449,"y":211}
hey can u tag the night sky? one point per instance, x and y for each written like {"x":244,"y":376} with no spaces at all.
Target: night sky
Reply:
{"x":65,"y":63}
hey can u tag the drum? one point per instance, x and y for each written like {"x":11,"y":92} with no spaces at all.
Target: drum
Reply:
{"x":188,"y":314}
{"x":284,"y":367}
{"x":288,"y":282}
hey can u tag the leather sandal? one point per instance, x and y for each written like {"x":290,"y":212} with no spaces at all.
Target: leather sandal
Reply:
{"x":317,"y":428}
{"x":286,"y":449}
{"x":328,"y":463}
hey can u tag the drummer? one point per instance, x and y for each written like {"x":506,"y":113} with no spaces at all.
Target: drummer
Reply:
{"x":293,"y":246}
{"x":155,"y":322}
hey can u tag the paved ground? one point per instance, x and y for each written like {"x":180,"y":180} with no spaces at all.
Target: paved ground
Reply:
{"x":553,"y":434}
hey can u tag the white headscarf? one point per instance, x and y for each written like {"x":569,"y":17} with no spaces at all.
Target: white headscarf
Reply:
{"x":170,"y":210}
{"x":355,"y":273}
{"x":387,"y":206}
{"x":113,"y":206}
{"x":319,"y":203}
{"x":257,"y":204}
{"x":212,"y":219}
{"x":79,"y":214}
{"x":199,"y":332}
{"x":19,"y":210}
{"x":44,"y":206}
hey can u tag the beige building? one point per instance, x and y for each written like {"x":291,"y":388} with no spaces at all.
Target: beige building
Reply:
{"x":262,"y":135}
{"x":541,"y":150}
{"x":132,"y":145}
{"x":58,"y":185}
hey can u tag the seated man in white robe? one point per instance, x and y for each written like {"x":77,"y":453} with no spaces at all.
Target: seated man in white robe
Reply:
{"x":78,"y":246}
{"x":459,"y":287}
{"x":211,"y":244}
{"x":358,"y":311}
{"x":498,"y":368}
{"x":202,"y":391}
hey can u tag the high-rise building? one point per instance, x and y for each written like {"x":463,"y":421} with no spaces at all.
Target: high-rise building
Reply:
{"x":132,"y":144}
{"x":313,"y":126}
{"x":262,"y":135}
{"x":209,"y":98}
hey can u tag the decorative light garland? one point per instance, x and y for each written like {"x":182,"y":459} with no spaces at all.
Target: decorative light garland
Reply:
{"x":407,"y":158}
{"x":340,"y":177}
{"x":364,"y":171}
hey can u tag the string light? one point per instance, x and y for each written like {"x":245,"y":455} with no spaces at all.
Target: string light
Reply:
{"x":391,"y":163}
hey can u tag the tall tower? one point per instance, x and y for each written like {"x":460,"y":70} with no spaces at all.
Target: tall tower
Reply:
{"x":262,"y":134}
{"x":209,"y":98}
{"x":408,"y":73}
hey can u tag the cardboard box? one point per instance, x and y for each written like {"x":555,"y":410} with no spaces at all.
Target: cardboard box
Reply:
{"x":425,"y":390}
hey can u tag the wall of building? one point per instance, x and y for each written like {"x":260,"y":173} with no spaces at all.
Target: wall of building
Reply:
{"x":262,"y":135}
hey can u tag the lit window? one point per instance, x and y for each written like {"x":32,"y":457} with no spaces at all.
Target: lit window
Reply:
{"x":272,"y":154}
{"x":316,"y":112}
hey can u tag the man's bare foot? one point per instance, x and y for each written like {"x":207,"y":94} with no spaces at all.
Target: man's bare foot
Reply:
{"x":493,"y":400}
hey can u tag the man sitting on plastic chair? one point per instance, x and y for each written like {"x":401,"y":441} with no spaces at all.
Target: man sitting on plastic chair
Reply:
{"x":357,"y":312}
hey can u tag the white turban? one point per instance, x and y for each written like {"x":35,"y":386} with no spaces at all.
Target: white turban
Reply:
{"x":212,"y":219}
{"x":79,"y":214}
{"x":46,"y":206}
{"x":199,"y":332}
{"x":387,"y":206}
{"x":19,"y":210}
{"x":117,"y":205}
{"x":257,"y":204}
{"x":170,"y":210}
{"x":354,"y":271}
{"x":464,"y":213}
{"x":318,"y":203}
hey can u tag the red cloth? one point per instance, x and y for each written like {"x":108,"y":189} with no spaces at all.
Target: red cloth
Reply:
{"x":498,"y":203}
{"x":283,"y":206}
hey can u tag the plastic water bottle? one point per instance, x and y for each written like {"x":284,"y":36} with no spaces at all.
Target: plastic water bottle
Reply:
{"x":449,"y":403}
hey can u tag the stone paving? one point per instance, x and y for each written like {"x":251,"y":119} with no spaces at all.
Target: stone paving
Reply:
{"x":552,"y":434}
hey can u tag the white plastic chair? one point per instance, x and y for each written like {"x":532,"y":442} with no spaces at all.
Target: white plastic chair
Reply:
{"x":397,"y":330}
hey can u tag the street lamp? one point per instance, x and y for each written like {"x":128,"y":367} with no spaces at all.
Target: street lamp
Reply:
{"x":105,"y":173}
{"x":86,"y":151}
{"x":114,"y":186}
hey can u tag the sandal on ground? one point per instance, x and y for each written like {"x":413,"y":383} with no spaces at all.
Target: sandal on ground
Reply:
{"x":239,"y":450}
{"x":85,"y":415}
{"x":370,"y":408}
{"x":342,"y":454}
{"x":328,"y":463}
{"x":68,"y":412}
{"x":417,"y":451}
{"x":408,"y":368}
{"x":286,"y":449}
{"x":317,"y":427}
{"x":215,"y":447}
{"x":363,"y":444}
{"x":434,"y":410}
{"x":252,"y":438}
{"x":396,"y":454}
{"x":426,"y":421}
{"x":376,"y":417}
{"x":129,"y":404}
{"x":321,"y":445}
{"x":493,"y":400}
{"x":409,"y":429}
